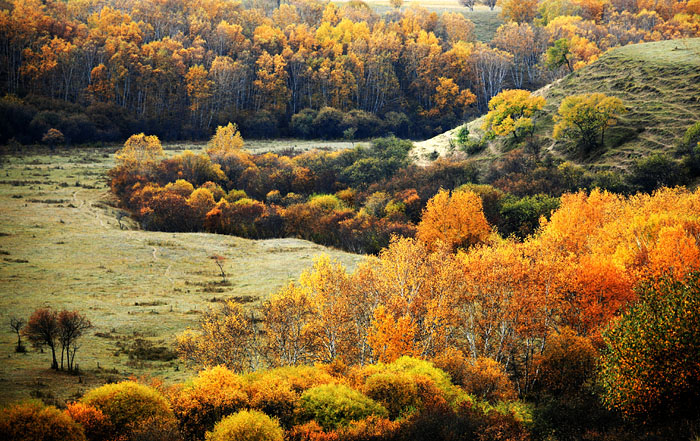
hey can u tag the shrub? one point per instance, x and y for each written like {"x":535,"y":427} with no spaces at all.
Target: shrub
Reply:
{"x":328,"y":123}
{"x":247,"y":425}
{"x":129,"y":405}
{"x":96,"y":424}
{"x":567,"y":363}
{"x":213,"y":394}
{"x":487,"y":379}
{"x":335,"y":405}
{"x":32,"y":421}
{"x":273,"y":395}
{"x":655,"y":171}
{"x":301,"y":123}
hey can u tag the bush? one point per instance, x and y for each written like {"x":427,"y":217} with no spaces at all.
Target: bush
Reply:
{"x":247,"y":425}
{"x":301,"y":124}
{"x":655,"y":171}
{"x":129,"y":405}
{"x":336,"y":405}
{"x":32,"y":421}
{"x":522,"y":216}
{"x":328,"y":124}
{"x":213,"y":394}
{"x":487,"y":379}
{"x":96,"y":424}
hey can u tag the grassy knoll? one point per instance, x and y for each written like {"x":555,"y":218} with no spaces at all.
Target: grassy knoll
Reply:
{"x":658,"y":82}
{"x":61,"y":246}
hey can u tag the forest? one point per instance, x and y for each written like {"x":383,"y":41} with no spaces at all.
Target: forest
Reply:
{"x":511,"y":289}
{"x":102,"y":70}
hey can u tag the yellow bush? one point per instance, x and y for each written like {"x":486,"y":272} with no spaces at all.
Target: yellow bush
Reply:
{"x":247,"y":425}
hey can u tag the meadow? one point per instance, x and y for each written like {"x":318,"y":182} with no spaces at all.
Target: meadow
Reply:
{"x":62,"y":245}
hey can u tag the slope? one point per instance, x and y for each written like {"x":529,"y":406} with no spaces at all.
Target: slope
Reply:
{"x":659,"y":84}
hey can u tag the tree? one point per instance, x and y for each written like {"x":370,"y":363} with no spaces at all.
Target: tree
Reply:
{"x":468,"y":4}
{"x":519,"y":11}
{"x":512,"y":112}
{"x":649,"y":366}
{"x":396,"y":3}
{"x":490,"y":3}
{"x":43,"y":330}
{"x":17,"y":324}
{"x":71,"y":326}
{"x":226,"y":140}
{"x":140,"y":153}
{"x":226,"y":338}
{"x":457,"y":220}
{"x":559,"y":55}
{"x":585,"y":118}
{"x":219,"y":261}
{"x":52,"y":137}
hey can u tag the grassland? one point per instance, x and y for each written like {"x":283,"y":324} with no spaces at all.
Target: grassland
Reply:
{"x":658,"y":82}
{"x":486,"y":21}
{"x":61,"y":245}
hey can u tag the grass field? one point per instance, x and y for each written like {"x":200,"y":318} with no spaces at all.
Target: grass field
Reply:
{"x":61,"y":246}
{"x":486,"y":21}
{"x":658,"y":82}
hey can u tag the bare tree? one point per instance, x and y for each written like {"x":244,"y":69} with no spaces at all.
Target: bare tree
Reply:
{"x":72,"y":325}
{"x":219,"y":260}
{"x":17,"y":324}
{"x":468,"y":4}
{"x":491,"y":3}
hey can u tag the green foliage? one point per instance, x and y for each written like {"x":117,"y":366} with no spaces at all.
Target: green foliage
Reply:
{"x":650,"y":367}
{"x":656,"y":171}
{"x":689,"y":149}
{"x":129,"y":405}
{"x":521,"y":216}
{"x":559,"y":54}
{"x":462,"y":135}
{"x":336,"y":405}
{"x":247,"y":425}
{"x":32,"y":421}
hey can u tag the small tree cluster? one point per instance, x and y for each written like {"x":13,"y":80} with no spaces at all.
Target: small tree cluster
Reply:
{"x":47,"y":327}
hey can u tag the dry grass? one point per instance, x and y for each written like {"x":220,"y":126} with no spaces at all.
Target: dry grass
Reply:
{"x":61,"y":246}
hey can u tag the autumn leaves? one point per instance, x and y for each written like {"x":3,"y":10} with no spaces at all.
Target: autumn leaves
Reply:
{"x":501,"y":299}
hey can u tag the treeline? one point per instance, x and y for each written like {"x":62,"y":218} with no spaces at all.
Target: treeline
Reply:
{"x":104,"y":69}
{"x":354,"y":199}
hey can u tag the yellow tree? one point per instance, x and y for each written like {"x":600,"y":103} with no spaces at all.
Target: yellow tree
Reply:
{"x":585,"y":118}
{"x":456,"y":220}
{"x":511,"y":112}
{"x":141,"y":153}
{"x":226,"y":140}
{"x":286,"y":325}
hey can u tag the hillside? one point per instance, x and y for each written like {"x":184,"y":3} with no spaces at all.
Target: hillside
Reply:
{"x":658,"y":82}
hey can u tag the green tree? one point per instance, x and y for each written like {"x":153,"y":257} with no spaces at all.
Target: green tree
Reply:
{"x":585,"y":118}
{"x":651,"y":360}
{"x":559,"y":55}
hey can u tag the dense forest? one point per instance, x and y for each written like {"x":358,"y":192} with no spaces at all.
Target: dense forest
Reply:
{"x":102,"y":70}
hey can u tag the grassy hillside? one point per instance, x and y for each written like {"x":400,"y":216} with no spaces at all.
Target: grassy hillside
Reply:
{"x":659,"y":84}
{"x":61,"y":246}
